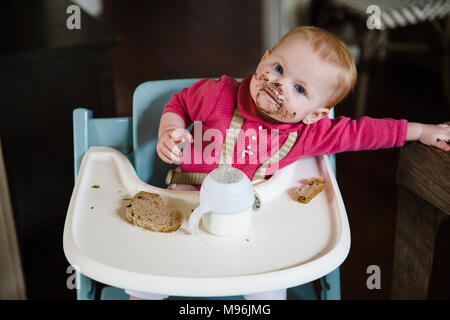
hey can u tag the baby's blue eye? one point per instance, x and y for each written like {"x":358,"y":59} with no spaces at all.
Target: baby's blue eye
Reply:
{"x":299,"y":89}
{"x":279,"y":69}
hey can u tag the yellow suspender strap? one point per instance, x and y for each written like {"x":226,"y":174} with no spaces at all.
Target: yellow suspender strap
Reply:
{"x":226,"y":156}
{"x":277,"y":156}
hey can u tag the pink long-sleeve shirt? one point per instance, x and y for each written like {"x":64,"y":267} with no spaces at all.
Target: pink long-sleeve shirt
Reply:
{"x":210,"y":105}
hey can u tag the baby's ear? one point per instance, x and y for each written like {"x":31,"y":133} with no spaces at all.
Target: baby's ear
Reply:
{"x":316,"y":115}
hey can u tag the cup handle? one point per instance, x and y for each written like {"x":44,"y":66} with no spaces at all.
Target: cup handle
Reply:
{"x":195,"y":217}
{"x":258,"y":201}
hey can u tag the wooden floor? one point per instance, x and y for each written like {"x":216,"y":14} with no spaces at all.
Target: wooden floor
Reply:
{"x":203,"y":38}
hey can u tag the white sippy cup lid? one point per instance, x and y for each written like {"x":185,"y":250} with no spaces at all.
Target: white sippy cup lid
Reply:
{"x":227,"y":190}
{"x":227,"y":175}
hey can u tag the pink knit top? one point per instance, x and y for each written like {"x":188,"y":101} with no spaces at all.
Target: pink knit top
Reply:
{"x":212,"y":102}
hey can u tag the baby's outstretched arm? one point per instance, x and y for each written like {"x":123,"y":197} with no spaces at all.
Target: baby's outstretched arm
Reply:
{"x":171,"y":132}
{"x":436,"y":135}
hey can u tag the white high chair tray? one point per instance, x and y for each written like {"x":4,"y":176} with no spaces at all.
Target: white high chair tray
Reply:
{"x":290,"y":243}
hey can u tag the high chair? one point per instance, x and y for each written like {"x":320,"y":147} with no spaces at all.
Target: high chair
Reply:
{"x":136,"y":137}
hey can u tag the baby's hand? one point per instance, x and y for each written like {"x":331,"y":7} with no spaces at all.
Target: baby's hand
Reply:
{"x":167,"y":145}
{"x":435,"y":135}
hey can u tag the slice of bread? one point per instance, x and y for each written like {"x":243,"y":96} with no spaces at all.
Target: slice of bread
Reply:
{"x":306,"y":192}
{"x":147,"y":210}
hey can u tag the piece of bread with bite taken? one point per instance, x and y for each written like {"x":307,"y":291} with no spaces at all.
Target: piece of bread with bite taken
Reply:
{"x":147,"y":210}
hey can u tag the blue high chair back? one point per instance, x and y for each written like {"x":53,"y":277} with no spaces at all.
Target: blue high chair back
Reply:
{"x":149,"y":100}
{"x":136,"y":137}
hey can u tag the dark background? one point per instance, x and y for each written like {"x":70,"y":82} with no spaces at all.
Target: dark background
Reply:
{"x":99,"y":67}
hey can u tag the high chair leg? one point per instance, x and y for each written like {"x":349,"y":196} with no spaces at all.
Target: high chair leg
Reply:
{"x":331,"y":286}
{"x":86,"y":289}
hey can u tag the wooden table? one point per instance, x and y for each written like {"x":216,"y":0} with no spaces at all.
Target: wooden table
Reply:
{"x":422,"y":242}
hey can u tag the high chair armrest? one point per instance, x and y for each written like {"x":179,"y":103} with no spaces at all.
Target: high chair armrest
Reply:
{"x":109,"y":132}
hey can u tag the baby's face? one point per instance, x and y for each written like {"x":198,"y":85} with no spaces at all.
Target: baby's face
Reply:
{"x":291,"y":84}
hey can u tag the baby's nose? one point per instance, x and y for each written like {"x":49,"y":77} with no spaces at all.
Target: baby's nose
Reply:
{"x":278,"y":86}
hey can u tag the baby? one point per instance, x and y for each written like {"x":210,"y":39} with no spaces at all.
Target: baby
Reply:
{"x":295,"y":85}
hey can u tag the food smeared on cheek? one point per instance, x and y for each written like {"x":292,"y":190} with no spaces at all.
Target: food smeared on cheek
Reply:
{"x":256,"y":100}
{"x":282,"y":113}
{"x":261,"y":77}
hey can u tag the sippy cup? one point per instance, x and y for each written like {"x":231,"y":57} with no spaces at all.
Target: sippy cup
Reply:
{"x":227,"y":201}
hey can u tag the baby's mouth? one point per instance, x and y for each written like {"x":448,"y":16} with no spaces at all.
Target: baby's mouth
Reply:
{"x":275,"y":96}
{"x":270,"y":94}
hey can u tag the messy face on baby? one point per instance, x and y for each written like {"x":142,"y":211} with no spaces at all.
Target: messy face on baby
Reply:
{"x":298,"y":81}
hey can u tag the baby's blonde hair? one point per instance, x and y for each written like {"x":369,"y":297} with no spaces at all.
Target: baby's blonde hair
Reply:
{"x":331,"y":50}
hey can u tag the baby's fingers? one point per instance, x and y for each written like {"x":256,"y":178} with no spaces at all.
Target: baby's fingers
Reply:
{"x":443,"y":145}
{"x":165,"y":157}
{"x":179,"y":135}
{"x":172,"y":151}
{"x":164,"y":153}
{"x":168,"y":151}
{"x":443,"y":137}
{"x":172,"y":147}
